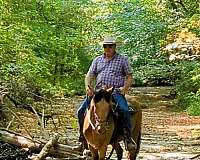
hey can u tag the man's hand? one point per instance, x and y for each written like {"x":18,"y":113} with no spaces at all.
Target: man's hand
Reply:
{"x":89,"y":91}
{"x":123,"y":90}
{"x":128,"y":83}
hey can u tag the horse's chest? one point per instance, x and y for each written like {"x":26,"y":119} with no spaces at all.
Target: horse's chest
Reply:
{"x":97,"y":140}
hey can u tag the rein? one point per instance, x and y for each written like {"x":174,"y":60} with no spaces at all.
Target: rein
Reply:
{"x":90,"y":122}
{"x":96,"y":126}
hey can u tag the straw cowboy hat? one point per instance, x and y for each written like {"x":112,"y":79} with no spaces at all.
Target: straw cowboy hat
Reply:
{"x":109,"y":40}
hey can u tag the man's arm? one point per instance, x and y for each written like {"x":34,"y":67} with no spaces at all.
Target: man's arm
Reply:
{"x":127,"y":85}
{"x":89,"y":80}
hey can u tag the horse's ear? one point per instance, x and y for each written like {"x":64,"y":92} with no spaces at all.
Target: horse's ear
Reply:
{"x":110,"y":90}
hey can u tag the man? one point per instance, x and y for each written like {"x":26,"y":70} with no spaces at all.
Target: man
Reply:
{"x":110,"y":70}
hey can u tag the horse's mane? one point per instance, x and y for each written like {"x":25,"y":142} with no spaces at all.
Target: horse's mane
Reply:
{"x":102,"y":94}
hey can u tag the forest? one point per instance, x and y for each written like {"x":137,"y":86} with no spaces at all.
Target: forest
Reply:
{"x":47,"y":46}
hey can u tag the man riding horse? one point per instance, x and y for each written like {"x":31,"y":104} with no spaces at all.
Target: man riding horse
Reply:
{"x":108,"y":70}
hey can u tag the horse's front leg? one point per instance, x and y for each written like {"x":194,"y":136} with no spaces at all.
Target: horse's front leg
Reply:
{"x":94,"y":152}
{"x":118,"y":150}
{"x":102,"y":152}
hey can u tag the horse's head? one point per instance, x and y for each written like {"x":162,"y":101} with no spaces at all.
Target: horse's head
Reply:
{"x":102,"y":107}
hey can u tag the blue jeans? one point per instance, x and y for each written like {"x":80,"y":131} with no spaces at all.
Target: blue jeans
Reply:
{"x":82,"y":110}
{"x":122,"y":107}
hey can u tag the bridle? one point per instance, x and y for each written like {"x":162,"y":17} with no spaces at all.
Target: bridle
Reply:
{"x":98,"y":123}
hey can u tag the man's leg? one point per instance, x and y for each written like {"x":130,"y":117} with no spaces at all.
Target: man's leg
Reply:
{"x":123,"y":108}
{"x":81,"y":114}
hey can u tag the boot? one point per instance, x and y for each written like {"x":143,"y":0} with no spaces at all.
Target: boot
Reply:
{"x":128,"y":141}
{"x":83,"y":142}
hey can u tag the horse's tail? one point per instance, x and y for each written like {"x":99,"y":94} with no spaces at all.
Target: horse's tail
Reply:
{"x":110,"y":153}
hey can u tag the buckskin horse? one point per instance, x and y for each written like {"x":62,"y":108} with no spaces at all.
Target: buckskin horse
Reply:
{"x":102,"y":127}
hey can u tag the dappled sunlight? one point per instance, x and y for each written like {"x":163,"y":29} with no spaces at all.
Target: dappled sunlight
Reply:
{"x":183,"y":45}
{"x":167,"y":134}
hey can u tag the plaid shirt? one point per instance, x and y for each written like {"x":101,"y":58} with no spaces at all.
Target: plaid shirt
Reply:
{"x":112,"y":72}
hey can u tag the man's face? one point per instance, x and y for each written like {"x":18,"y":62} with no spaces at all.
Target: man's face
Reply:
{"x":109,"y":49}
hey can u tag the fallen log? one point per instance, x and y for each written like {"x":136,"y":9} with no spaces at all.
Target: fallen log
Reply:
{"x":34,"y":146}
{"x":195,"y":157}
{"x":45,"y":150}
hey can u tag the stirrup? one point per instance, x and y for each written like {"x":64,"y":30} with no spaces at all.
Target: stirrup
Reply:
{"x":130,"y":145}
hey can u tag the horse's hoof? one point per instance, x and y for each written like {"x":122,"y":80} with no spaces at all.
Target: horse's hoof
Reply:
{"x":131,"y":146}
{"x":87,"y":153}
{"x":79,"y":148}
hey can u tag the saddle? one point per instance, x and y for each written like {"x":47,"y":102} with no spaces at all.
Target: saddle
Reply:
{"x":132,"y":109}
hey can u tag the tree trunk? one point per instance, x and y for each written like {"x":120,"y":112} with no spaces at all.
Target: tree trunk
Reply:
{"x":2,"y":115}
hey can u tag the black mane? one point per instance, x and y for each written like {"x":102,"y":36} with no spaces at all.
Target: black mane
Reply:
{"x":102,"y":94}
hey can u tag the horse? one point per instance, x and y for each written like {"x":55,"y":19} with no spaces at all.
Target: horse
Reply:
{"x":101,"y":127}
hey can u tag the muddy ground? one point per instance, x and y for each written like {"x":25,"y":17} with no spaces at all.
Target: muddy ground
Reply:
{"x":166,"y":133}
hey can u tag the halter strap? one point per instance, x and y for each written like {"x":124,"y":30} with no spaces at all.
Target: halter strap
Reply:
{"x":90,"y":122}
{"x":92,"y":125}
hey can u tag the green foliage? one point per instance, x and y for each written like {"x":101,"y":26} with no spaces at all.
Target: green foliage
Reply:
{"x":193,"y":105}
{"x":43,"y":42}
{"x":191,"y":7}
{"x":188,"y":87}
{"x":186,"y":8}
{"x":157,"y":73}
{"x":194,"y":23}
